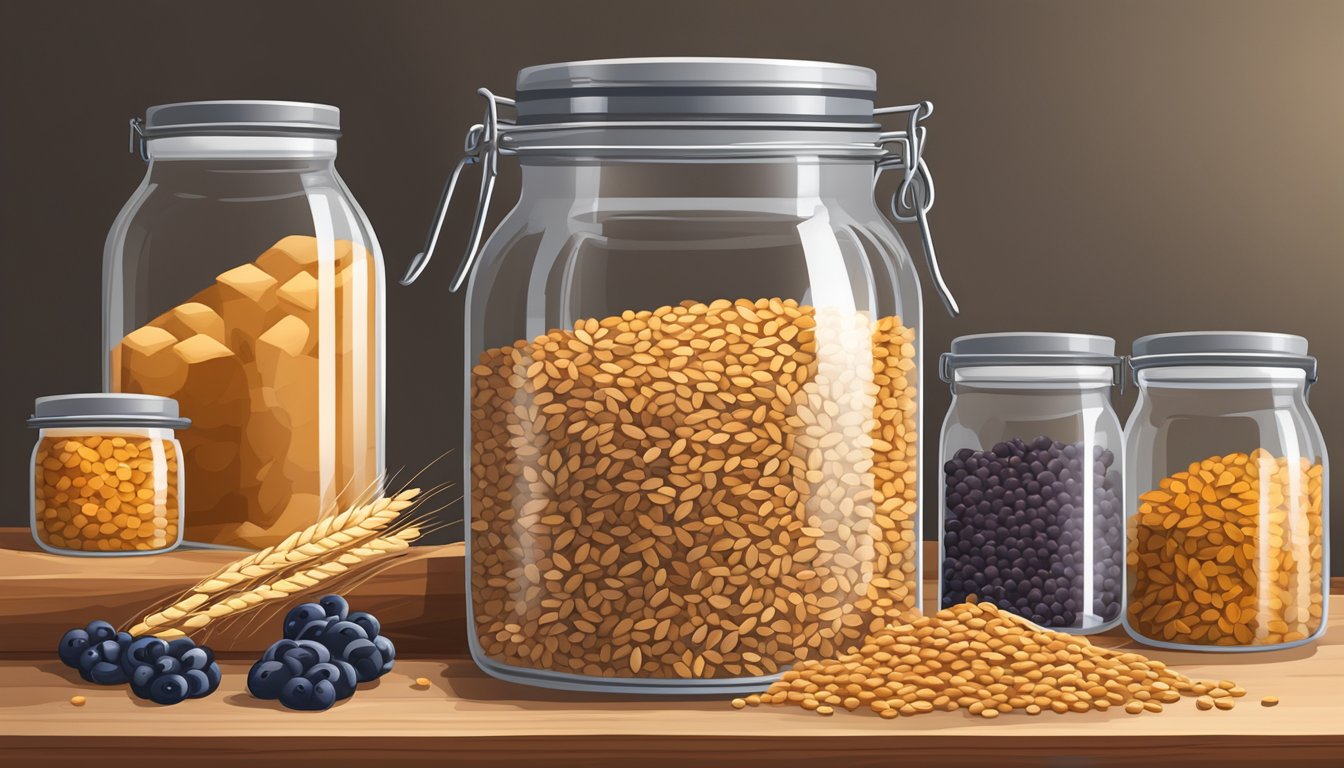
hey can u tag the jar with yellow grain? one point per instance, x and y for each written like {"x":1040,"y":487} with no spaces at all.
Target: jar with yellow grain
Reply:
{"x":106,"y":475}
{"x":1227,"y":494}
{"x":693,"y":356}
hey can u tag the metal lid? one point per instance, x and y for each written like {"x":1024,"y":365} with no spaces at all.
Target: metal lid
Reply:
{"x":1029,"y":348}
{"x":1222,"y":348}
{"x":696,"y":88}
{"x":241,"y":118}
{"x":101,"y":409}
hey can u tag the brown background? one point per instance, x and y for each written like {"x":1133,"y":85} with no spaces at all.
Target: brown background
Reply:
{"x":1117,"y":168}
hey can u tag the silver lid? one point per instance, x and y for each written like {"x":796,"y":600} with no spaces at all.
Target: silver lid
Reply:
{"x":1222,"y":348}
{"x":696,"y":88}
{"x":242,"y":118}
{"x":1219,"y":342}
{"x":99,"y":409}
{"x":1029,"y":348}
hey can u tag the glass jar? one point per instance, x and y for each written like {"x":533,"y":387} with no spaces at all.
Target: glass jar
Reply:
{"x":1228,"y":488}
{"x":243,"y":280}
{"x":106,"y":479}
{"x":1031,"y":518}
{"x":693,"y":374}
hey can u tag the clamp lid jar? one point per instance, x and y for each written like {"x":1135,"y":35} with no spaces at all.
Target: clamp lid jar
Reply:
{"x":106,"y":474}
{"x":1228,"y":493}
{"x":693,"y":360}
{"x":243,"y":280}
{"x":1031,"y":513}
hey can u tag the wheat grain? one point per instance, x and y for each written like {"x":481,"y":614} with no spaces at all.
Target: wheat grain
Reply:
{"x":329,"y":548}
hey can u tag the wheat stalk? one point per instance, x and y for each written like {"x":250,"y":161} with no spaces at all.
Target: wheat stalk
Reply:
{"x":326,"y":549}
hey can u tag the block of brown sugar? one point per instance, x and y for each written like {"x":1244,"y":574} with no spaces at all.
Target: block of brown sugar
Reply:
{"x":215,"y":379}
{"x":146,"y":364}
{"x":299,"y":292}
{"x":187,"y":320}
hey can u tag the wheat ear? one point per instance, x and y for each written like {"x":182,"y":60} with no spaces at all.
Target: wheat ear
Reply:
{"x":342,"y":540}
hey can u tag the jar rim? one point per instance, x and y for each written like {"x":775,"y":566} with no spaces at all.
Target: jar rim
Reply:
{"x":106,"y":409}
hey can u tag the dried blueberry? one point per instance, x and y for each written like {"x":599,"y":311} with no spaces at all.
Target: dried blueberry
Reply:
{"x":100,"y":630}
{"x":141,"y":651}
{"x":312,"y":630}
{"x":110,"y":650}
{"x":341,"y":677}
{"x":167,"y":665}
{"x":278,"y":649}
{"x":141,"y":677}
{"x":388,"y":651}
{"x":107,"y":673}
{"x":197,"y":658}
{"x":298,"y":694}
{"x":168,"y":689}
{"x":199,"y":684}
{"x":300,"y":616}
{"x":324,"y":694}
{"x":72,"y":644}
{"x":335,"y":605}
{"x":341,"y":634}
{"x":364,"y":656}
{"x":267,"y":678}
{"x":87,"y":658}
{"x":368,"y":621}
{"x":180,"y":646}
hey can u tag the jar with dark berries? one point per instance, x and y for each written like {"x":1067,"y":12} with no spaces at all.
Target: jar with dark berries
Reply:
{"x":1032,"y":515}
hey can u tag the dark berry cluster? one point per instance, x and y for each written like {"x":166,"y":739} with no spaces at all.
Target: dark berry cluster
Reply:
{"x":1015,"y":531}
{"x":325,"y":653}
{"x":161,"y":671}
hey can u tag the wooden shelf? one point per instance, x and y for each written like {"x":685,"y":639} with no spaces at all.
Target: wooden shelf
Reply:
{"x":467,"y":718}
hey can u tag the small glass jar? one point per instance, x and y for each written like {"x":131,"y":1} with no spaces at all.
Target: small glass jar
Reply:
{"x":1227,"y":481}
{"x":243,"y":280}
{"x":1031,"y":518}
{"x":106,"y":477}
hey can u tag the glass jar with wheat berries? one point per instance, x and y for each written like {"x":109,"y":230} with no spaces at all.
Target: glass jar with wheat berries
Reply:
{"x":693,"y":379}
{"x":107,"y":477}
{"x":1227,"y":493}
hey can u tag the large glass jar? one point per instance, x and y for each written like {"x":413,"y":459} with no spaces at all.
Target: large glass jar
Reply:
{"x":1227,"y":482}
{"x":1032,"y":513}
{"x":243,"y":280}
{"x":693,"y":375}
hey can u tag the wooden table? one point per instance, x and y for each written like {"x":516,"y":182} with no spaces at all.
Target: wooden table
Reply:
{"x":466,"y":718}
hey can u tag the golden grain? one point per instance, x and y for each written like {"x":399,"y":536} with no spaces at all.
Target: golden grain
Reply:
{"x":974,"y":657}
{"x":1229,"y":552}
{"x":715,"y":490}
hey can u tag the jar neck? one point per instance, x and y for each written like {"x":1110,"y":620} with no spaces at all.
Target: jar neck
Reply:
{"x":793,"y":178}
{"x":1185,"y":378}
{"x":241,"y":149}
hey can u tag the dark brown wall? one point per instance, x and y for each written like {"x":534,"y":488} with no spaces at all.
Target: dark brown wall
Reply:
{"x":1116,"y":168}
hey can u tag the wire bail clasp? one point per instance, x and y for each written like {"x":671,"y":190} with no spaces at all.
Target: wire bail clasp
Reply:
{"x":481,"y":145}
{"x":914,"y":198}
{"x":138,"y":142}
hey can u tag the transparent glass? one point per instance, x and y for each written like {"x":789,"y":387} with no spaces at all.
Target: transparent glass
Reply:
{"x":694,"y":424}
{"x":1228,"y":511}
{"x":106,"y":491}
{"x":243,"y":280}
{"x":1031,"y":514}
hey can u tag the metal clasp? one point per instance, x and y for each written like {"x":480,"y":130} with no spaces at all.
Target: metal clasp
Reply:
{"x":138,"y":142}
{"x":481,"y":145}
{"x":914,"y":198}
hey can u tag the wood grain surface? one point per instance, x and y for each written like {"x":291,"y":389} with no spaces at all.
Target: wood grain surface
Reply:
{"x":467,"y":718}
{"x":419,"y":599}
